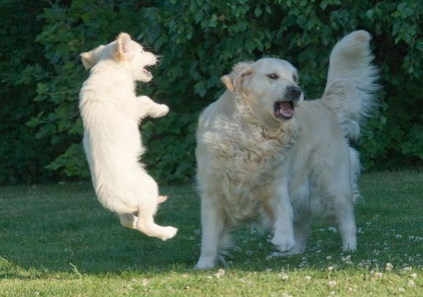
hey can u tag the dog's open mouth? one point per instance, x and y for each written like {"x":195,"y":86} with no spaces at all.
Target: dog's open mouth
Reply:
{"x":146,"y":72}
{"x":284,"y":109}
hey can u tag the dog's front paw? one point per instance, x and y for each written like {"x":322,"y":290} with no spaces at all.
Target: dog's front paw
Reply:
{"x":284,"y":243}
{"x":168,"y":233}
{"x":205,"y":263}
{"x":159,"y":111}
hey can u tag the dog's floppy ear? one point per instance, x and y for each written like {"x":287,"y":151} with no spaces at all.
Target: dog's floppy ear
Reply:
{"x":89,"y":59}
{"x":228,"y":81}
{"x":122,"y":46}
{"x":237,"y":76}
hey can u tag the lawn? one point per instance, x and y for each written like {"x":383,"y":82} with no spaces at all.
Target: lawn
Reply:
{"x":57,"y":240}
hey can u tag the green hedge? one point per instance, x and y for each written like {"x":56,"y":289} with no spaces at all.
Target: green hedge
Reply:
{"x":200,"y":40}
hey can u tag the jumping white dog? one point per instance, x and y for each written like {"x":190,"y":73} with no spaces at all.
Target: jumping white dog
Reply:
{"x":111,"y":114}
{"x":266,"y":156}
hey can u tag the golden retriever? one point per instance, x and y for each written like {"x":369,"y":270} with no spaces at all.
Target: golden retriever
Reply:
{"x":265,"y":155}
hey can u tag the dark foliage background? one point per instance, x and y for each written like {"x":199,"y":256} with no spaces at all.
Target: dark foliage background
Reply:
{"x":199,"y":41}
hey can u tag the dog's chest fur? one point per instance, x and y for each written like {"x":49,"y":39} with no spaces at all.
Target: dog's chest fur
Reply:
{"x":246,"y":157}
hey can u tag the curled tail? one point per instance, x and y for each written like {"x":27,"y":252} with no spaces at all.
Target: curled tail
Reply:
{"x":351,"y":83}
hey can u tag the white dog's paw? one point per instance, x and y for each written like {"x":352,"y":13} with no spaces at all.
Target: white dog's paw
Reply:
{"x":205,"y":263}
{"x":168,"y":233}
{"x":285,"y":244}
{"x":159,"y":110}
{"x":350,"y":246}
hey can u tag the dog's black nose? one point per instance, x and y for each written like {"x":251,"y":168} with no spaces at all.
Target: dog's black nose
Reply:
{"x":293,"y":92}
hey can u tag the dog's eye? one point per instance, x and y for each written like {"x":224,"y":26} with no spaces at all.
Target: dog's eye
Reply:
{"x":272,"y":76}
{"x":295,"y":78}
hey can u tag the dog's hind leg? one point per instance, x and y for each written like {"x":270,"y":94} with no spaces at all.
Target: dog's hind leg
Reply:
{"x":129,"y":220}
{"x":344,"y":214}
{"x":302,"y":228}
{"x":146,"y":225}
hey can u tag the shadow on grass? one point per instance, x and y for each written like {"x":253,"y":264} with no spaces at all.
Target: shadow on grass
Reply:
{"x":62,"y":228}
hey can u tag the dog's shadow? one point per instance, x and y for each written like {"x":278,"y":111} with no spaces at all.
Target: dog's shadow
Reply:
{"x":64,"y":229}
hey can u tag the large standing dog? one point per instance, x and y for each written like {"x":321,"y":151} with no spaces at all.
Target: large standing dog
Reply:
{"x":262,"y":156}
{"x":111,"y":113}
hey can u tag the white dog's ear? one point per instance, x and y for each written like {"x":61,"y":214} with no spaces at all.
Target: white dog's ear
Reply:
{"x":237,"y":76}
{"x":89,"y":59}
{"x":228,"y":81}
{"x":122,"y":48}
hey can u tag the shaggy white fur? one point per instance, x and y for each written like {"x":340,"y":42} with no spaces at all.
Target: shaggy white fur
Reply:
{"x":266,"y":156}
{"x":111,"y":113}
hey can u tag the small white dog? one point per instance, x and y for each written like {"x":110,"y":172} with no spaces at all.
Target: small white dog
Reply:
{"x":266,"y":156}
{"x":111,"y":114}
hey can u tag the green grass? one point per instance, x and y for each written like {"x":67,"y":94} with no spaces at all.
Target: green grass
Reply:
{"x":58,"y":241}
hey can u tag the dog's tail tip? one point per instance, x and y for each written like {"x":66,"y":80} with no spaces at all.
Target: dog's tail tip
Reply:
{"x":162,"y":199}
{"x":352,"y":82}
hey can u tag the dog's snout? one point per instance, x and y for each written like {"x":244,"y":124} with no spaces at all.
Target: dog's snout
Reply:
{"x":293,"y":92}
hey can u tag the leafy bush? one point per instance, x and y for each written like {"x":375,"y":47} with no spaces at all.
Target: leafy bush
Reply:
{"x":22,"y":156}
{"x":199,"y":41}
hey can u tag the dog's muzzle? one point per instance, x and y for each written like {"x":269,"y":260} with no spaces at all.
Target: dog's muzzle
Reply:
{"x":293,"y":93}
{"x":284,"y":108}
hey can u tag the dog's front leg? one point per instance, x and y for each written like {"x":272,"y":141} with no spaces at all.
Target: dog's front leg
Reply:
{"x":283,"y":236}
{"x":213,"y":228}
{"x":152,"y":108}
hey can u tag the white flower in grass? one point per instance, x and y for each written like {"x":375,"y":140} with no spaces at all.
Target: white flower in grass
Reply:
{"x":283,"y":276}
{"x":145,"y":282}
{"x":220,"y":273}
{"x":389,"y":266}
{"x":332,"y":283}
{"x":236,"y":249}
{"x":333,"y":229}
{"x":346,"y":259}
{"x":331,"y":268}
{"x":308,"y":277}
{"x":401,"y":289}
{"x":379,"y":274}
{"x":411,"y":283}
{"x":414,"y":275}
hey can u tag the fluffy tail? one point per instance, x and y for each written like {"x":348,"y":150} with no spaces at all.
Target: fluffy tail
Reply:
{"x":351,"y":82}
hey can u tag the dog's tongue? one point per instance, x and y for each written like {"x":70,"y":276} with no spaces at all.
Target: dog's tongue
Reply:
{"x":285,"y":109}
{"x":147,"y":72}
